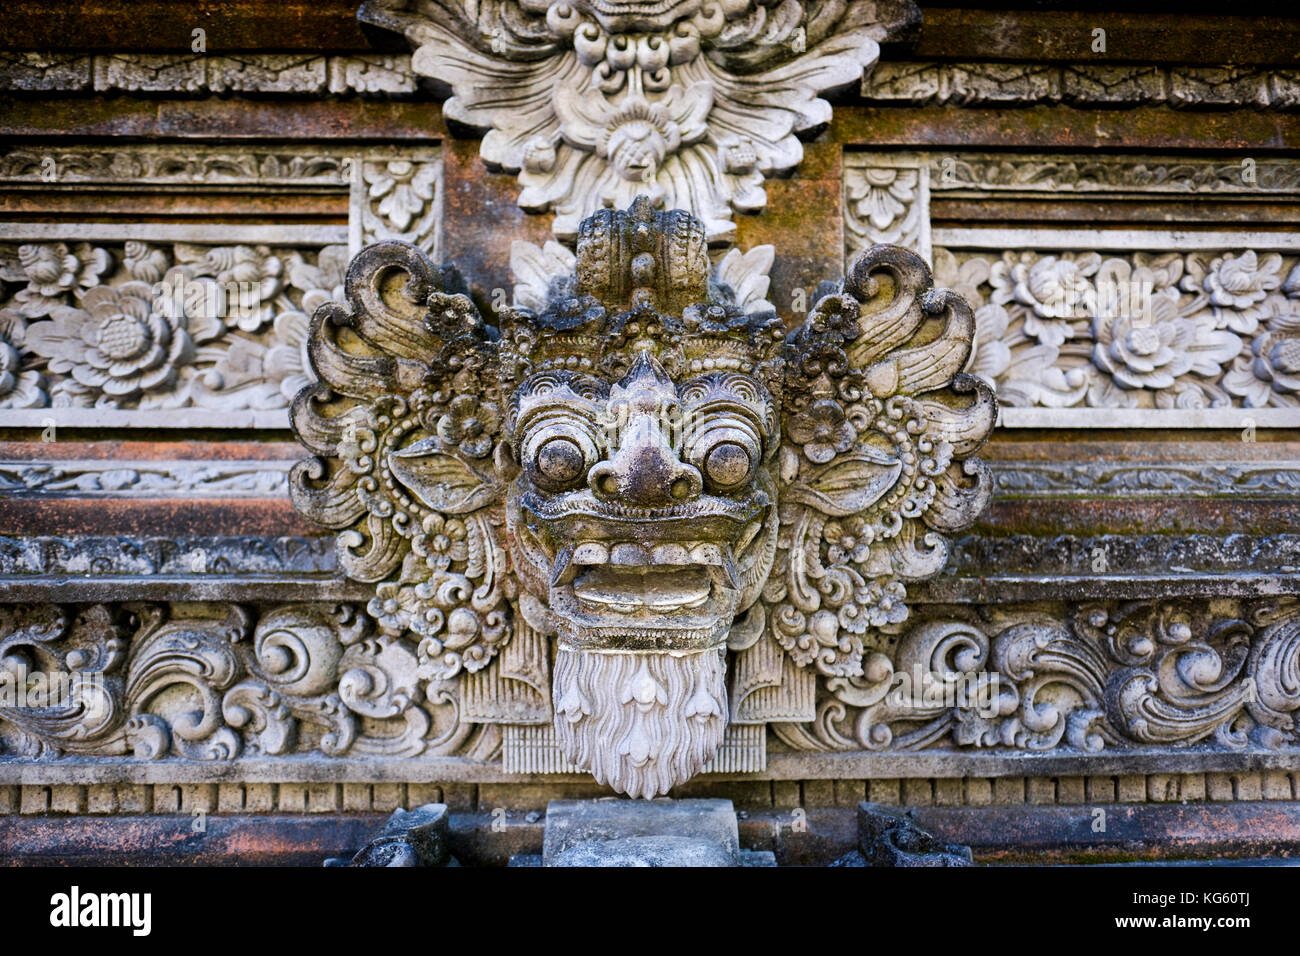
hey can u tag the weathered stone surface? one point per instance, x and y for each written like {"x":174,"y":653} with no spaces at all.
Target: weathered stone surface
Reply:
{"x":641,"y":833}
{"x":410,"y":838}
{"x":887,"y":837}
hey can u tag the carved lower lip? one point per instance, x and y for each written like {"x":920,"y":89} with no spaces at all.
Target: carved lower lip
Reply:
{"x":615,"y":590}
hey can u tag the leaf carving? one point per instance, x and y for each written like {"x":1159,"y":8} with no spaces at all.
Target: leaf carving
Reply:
{"x":851,"y":483}
{"x":441,"y":480}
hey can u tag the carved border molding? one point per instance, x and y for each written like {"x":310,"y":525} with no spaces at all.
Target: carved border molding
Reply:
{"x":260,"y":478}
{"x":891,"y":83}
{"x":155,"y":682}
{"x":1105,"y":327}
{"x":200,"y":73}
{"x":1080,"y":85}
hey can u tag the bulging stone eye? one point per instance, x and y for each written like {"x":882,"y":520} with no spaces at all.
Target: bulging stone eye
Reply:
{"x":560,"y":461}
{"x":727,"y":465}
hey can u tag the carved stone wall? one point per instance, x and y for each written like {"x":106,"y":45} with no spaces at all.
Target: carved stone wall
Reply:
{"x":1125,"y":234}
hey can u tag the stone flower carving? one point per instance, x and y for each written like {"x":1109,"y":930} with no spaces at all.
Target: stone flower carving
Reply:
{"x":400,"y":190}
{"x":1153,"y":355}
{"x":592,"y":103}
{"x":882,"y":205}
{"x":1139,"y":331}
{"x":1143,"y":338}
{"x":53,"y":271}
{"x":115,"y":342}
{"x":1236,"y":285}
{"x":1270,"y":373}
{"x":602,"y":496}
{"x":247,"y":279}
{"x":1055,"y":291}
{"x":822,"y":429}
{"x":19,"y":387}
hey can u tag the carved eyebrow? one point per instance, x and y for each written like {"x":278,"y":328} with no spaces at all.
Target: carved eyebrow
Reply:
{"x":759,"y":403}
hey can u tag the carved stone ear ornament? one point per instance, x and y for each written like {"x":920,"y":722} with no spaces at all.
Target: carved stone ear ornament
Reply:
{"x":636,"y":465}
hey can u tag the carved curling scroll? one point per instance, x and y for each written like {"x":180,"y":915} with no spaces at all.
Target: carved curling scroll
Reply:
{"x":645,"y":471}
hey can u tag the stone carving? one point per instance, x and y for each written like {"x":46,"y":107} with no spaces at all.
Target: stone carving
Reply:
{"x":92,"y":478}
{"x":1109,"y":676}
{"x":889,"y":837}
{"x":1079,"y":85}
{"x":287,"y":74}
{"x":1130,"y":174}
{"x":624,"y":468}
{"x":1140,"y":330}
{"x":593,"y":103}
{"x":145,"y":325}
{"x":886,"y":199}
{"x":416,"y":837}
{"x":160,"y":326}
{"x":171,"y":165}
{"x":1127,"y":479}
{"x":1191,"y":556}
{"x":890,"y":83}
{"x":143,"y":556}
{"x":153,"y":682}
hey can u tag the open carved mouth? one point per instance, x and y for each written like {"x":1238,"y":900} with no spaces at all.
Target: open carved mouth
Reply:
{"x":669,"y":579}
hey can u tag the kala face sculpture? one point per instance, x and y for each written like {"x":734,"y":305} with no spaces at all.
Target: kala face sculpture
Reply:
{"x":641,"y":473}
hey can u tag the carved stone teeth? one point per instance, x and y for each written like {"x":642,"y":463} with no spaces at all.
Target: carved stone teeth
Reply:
{"x":670,"y":554}
{"x":707,"y":554}
{"x":591,"y":552}
{"x":628,"y":554}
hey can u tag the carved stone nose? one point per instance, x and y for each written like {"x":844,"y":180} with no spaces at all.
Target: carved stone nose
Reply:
{"x":645,"y":470}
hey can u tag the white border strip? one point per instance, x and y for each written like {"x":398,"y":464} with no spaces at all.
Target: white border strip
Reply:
{"x":1117,"y":239}
{"x":206,"y":233}
{"x":150,"y":418}
{"x":1231,"y":418}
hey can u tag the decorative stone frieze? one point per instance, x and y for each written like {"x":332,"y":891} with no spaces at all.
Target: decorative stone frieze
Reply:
{"x":646,"y":472}
{"x":1128,"y":675}
{"x":285,"y":74}
{"x":155,"y":317}
{"x":153,"y":683}
{"x":1139,"y":330}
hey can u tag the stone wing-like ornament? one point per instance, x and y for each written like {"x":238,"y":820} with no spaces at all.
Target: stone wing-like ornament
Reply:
{"x":405,"y":420}
{"x":641,"y":503}
{"x":593,"y":102}
{"x":879,"y":427}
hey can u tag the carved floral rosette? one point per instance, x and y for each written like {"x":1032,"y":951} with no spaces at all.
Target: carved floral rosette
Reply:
{"x":647,"y":470}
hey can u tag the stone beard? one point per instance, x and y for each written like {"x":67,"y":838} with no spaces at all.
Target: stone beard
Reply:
{"x":602,"y":496}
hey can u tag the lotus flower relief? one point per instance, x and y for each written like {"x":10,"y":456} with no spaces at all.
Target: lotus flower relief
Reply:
{"x":53,"y":271}
{"x":116,"y":342}
{"x":1145,"y":338}
{"x":1236,"y":285}
{"x":1056,"y":292}
{"x":19,"y":387}
{"x":1269,"y":373}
